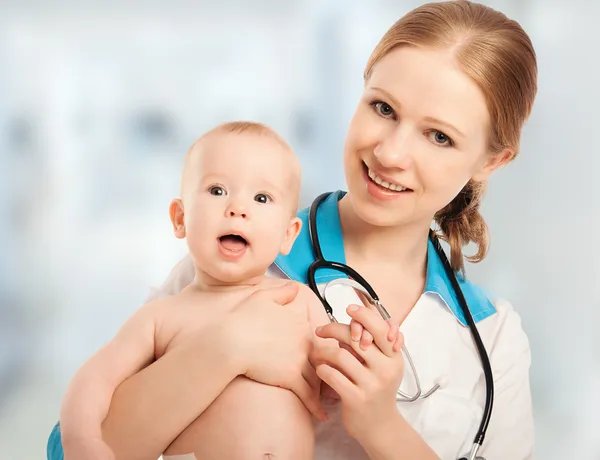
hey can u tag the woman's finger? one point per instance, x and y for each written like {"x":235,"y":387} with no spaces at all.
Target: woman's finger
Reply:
{"x":337,"y":381}
{"x":344,"y":361}
{"x":376,"y":325}
{"x":282,"y":295}
{"x":352,"y":352}
{"x":341,"y":333}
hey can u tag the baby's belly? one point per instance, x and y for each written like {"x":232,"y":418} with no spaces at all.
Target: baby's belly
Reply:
{"x":246,"y":417}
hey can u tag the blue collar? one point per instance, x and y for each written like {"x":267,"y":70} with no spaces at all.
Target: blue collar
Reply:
{"x":296,"y":263}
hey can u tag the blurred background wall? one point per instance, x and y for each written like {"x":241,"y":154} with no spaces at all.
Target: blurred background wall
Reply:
{"x":100,"y":100}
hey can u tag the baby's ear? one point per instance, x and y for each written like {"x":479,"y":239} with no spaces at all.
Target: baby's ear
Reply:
{"x":291,"y":234}
{"x":177,"y":218}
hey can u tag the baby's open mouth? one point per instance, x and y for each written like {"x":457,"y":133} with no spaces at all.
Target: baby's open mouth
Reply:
{"x":233,"y":243}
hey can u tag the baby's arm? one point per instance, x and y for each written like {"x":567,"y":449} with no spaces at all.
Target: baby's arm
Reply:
{"x":87,"y":400}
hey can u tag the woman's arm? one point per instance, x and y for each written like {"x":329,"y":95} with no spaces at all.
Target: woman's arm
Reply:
{"x":395,"y":439}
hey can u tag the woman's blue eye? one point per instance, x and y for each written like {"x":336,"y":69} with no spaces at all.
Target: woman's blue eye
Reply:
{"x":383,"y":109}
{"x":441,"y":139}
{"x":217,"y":191}
{"x":262,"y":198}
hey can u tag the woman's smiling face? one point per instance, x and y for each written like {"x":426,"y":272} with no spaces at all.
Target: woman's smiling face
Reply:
{"x":419,"y":134}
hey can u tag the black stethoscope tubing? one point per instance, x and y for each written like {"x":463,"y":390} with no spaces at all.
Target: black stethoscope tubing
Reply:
{"x":320,"y":263}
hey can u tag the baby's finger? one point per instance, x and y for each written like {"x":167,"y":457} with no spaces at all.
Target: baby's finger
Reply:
{"x":393,"y":332}
{"x":309,"y":374}
{"x":356,"y":330}
{"x":372,"y":322}
{"x":399,"y":342}
{"x":366,"y":339}
{"x":341,"y":333}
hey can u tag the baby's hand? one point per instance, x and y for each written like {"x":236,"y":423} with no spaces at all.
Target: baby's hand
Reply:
{"x":359,"y":333}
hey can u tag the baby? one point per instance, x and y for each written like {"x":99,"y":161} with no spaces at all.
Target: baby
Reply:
{"x":237,"y":211}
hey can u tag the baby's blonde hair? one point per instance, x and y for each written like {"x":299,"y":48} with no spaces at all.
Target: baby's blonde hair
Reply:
{"x":252,"y":127}
{"x":244,"y":127}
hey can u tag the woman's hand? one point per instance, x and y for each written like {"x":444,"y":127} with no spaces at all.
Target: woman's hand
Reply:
{"x":365,"y":377}
{"x":272,"y":337}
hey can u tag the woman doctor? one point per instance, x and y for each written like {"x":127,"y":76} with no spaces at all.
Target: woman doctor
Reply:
{"x":446,"y":93}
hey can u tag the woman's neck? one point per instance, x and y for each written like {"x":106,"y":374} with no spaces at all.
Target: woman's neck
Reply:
{"x":404,"y":246}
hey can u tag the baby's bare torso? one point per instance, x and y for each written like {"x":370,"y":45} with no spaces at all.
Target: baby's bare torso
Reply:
{"x":193,"y":310}
{"x":260,"y":418}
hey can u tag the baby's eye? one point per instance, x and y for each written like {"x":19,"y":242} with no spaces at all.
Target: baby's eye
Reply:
{"x":441,"y":139}
{"x":262,"y":198}
{"x":383,"y":109}
{"x":217,"y":190}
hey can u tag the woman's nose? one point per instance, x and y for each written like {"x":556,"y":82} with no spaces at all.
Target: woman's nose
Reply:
{"x":394,"y":151}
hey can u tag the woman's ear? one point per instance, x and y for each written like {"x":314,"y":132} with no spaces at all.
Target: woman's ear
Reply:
{"x":493,"y":163}
{"x":291,"y":234}
{"x":177,"y":218}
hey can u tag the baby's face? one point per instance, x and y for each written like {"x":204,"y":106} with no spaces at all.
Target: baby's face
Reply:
{"x":240,"y":197}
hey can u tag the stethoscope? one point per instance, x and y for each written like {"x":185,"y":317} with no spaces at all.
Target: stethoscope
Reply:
{"x":357,"y":282}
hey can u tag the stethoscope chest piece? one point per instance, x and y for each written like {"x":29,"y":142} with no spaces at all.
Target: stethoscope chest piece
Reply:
{"x":366,"y":293}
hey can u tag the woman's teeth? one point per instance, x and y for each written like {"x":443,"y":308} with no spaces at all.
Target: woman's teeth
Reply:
{"x":379,"y":181}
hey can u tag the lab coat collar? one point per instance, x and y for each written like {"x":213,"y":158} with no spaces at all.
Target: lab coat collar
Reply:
{"x":296,"y":263}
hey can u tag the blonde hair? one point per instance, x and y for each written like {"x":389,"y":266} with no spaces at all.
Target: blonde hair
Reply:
{"x":497,"y":54}
{"x":245,"y":127}
{"x":251,"y":127}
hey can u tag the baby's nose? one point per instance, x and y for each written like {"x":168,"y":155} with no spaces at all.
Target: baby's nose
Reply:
{"x":237,"y":213}
{"x":236,"y":210}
